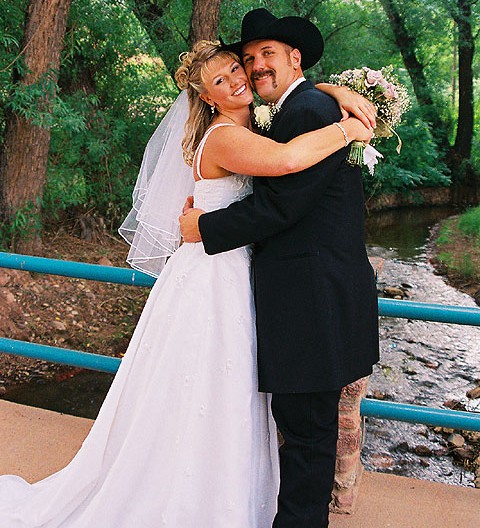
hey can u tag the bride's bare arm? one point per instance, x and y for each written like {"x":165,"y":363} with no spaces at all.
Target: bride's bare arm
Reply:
{"x":351,"y":103}
{"x":238,"y":150}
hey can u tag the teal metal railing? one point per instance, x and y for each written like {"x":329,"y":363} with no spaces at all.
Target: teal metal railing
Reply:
{"x":369,"y":407}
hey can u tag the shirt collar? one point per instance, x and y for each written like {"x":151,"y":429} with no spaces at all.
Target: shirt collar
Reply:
{"x":289,"y":90}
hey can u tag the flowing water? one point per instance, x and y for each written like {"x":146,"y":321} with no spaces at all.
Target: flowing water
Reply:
{"x":421,"y":363}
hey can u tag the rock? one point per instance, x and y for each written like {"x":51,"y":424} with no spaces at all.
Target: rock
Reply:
{"x":454,"y":404}
{"x":381,"y":395}
{"x":382,"y":461}
{"x":472,"y":437}
{"x":422,"y":450}
{"x":403,"y":447}
{"x":8,"y":297}
{"x":473,"y":394}
{"x":441,"y":451}
{"x":432,"y":365}
{"x":4,"y":278}
{"x":104,"y":261}
{"x":476,"y":296}
{"x":59,"y":326}
{"x":391,"y":291}
{"x":456,"y":440}
{"x":446,"y":430}
{"x":463,"y":453}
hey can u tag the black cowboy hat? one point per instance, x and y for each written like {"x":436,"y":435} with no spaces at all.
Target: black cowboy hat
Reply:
{"x":298,"y":32}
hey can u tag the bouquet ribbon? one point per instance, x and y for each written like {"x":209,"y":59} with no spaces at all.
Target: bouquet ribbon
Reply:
{"x":370,"y":158}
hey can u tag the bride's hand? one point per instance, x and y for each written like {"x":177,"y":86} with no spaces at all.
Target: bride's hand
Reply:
{"x":188,"y":204}
{"x":356,"y":130}
{"x":189,"y":225}
{"x":351,"y":103}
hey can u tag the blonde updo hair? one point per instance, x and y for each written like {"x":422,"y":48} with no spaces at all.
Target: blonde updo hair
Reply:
{"x":204,"y":56}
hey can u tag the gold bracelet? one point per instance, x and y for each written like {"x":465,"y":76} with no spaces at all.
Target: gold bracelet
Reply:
{"x":344,"y":132}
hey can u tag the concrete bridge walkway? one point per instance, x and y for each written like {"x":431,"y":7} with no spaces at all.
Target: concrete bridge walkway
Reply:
{"x":35,"y":443}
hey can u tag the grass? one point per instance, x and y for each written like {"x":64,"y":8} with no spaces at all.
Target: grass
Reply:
{"x":459,"y":245}
{"x":469,"y":224}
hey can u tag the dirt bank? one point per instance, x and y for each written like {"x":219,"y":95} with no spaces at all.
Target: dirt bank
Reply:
{"x":66,"y":312}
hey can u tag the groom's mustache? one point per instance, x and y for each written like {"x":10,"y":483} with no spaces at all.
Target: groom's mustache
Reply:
{"x":256,"y":75}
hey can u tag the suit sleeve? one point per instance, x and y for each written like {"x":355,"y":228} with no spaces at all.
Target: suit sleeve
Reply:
{"x":277,"y":203}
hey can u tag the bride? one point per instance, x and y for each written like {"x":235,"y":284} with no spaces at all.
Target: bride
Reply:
{"x":183,"y":438}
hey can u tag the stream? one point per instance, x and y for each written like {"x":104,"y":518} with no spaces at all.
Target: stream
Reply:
{"x":421,"y":363}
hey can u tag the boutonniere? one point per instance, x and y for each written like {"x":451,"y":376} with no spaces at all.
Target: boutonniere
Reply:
{"x":264,"y":115}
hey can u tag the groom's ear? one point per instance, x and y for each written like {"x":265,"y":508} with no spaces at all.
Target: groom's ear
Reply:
{"x":296,"y":58}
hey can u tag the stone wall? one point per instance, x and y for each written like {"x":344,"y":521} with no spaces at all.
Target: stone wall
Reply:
{"x":349,"y":469}
{"x":427,"y":196}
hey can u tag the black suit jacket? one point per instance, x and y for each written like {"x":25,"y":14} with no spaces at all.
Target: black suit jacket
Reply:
{"x":315,"y":293}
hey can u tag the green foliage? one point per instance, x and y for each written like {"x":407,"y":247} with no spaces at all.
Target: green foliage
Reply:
{"x":460,"y":240}
{"x":121,"y":89}
{"x":115,"y":83}
{"x":469,"y":224}
{"x":40,"y":104}
{"x":446,"y":233}
{"x":12,"y":15}
{"x":25,"y":221}
{"x":358,"y":34}
{"x":413,"y":167}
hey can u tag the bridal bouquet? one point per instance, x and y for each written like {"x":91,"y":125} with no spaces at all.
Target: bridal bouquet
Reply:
{"x":391,"y":99}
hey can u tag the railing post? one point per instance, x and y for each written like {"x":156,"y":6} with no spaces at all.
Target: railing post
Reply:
{"x":349,"y":469}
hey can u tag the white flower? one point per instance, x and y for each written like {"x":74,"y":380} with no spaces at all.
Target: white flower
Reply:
{"x":264,"y":115}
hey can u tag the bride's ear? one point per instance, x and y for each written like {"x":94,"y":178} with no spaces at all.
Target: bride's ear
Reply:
{"x":206,"y":99}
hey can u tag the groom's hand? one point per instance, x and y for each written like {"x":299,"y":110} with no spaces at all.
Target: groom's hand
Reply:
{"x":189,"y":225}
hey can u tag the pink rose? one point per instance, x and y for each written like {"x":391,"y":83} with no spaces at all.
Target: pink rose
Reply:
{"x":391,"y":92}
{"x":373,"y":77}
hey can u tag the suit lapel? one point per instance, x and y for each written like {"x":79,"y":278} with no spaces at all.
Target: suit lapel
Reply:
{"x":306,"y":85}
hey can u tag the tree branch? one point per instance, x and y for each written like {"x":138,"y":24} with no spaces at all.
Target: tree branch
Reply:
{"x":341,"y":28}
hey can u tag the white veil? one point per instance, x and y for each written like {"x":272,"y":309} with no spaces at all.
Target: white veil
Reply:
{"x":164,"y":182}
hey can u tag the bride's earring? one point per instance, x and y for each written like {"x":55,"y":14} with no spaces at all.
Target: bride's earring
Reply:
{"x":212,"y":108}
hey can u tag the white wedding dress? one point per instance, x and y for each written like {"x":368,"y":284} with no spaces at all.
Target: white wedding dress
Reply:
{"x":183,"y":438}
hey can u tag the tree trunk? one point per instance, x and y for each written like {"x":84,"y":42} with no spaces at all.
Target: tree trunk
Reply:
{"x":23,"y":163}
{"x":204,"y":21}
{"x":466,"y":49}
{"x":407,"y":45}
{"x":466,"y":181}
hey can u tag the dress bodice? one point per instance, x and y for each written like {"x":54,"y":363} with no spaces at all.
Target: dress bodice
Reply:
{"x":217,"y":193}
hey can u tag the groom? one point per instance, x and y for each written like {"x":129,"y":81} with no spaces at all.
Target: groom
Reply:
{"x":315,"y":294}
